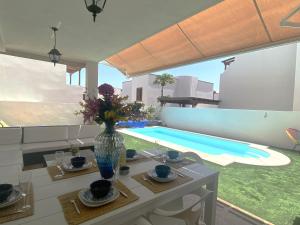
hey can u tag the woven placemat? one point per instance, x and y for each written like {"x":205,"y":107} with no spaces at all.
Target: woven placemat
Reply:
{"x":86,"y":213}
{"x":176,"y":165}
{"x":157,"y":187}
{"x":141,"y":159}
{"x":54,"y":171}
{"x":17,"y":211}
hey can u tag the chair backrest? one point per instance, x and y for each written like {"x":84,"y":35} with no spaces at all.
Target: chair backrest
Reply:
{"x":294,"y":135}
{"x":191,"y":208}
{"x":142,"y":221}
{"x":83,"y":131}
{"x":44,"y":134}
{"x":10,"y":135}
{"x":193,"y":156}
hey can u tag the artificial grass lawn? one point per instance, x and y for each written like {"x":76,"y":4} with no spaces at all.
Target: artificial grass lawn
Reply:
{"x":272,"y":193}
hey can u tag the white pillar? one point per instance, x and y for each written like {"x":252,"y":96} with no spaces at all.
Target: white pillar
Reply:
{"x":92,"y":79}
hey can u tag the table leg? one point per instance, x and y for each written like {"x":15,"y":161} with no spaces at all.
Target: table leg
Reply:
{"x":211,"y":202}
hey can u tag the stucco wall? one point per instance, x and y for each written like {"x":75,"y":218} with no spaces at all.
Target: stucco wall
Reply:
{"x":27,"y":80}
{"x":184,"y":86}
{"x":260,"y":80}
{"x":256,"y":126}
{"x":296,"y":103}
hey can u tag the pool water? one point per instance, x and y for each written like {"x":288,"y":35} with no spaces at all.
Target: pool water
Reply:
{"x":202,"y":143}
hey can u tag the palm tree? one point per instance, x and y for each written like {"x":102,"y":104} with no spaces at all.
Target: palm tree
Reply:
{"x":163,"y":80}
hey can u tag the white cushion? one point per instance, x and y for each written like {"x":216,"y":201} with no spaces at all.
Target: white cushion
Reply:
{"x":44,"y":134}
{"x":10,"y":147}
{"x":10,"y":135}
{"x":8,"y":158}
{"x":83,"y":142}
{"x":86,"y":131}
{"x":45,"y":146}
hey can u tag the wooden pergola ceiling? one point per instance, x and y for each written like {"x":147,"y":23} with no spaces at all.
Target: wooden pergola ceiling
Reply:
{"x":229,"y":27}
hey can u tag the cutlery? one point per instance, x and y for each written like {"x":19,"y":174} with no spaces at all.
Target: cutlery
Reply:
{"x":123,"y":193}
{"x":146,"y":179}
{"x":148,"y":153}
{"x":178,"y":173}
{"x":75,"y":206}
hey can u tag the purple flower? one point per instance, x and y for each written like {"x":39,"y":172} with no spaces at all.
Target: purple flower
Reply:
{"x":106,"y":90}
{"x":90,"y":111}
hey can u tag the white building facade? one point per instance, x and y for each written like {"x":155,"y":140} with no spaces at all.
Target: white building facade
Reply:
{"x":35,"y":93}
{"x":267,"y":79}
{"x":141,"y":88}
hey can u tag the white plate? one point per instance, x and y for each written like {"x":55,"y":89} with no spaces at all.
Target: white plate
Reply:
{"x":68,"y":167}
{"x":86,"y":197}
{"x":135,"y":157}
{"x":172,"y":176}
{"x":178,"y":159}
{"x":15,"y":196}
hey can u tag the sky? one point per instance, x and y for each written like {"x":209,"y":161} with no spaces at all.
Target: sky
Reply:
{"x":207,"y":71}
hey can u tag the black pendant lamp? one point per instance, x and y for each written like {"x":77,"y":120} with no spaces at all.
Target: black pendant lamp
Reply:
{"x":54,"y":54}
{"x":95,"y":7}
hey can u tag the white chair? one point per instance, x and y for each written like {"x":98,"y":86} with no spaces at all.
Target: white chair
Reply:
{"x":159,"y":220}
{"x":189,"y":208}
{"x":193,"y":156}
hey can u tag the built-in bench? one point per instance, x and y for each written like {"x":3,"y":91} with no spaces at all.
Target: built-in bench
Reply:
{"x":10,"y":149}
{"x":83,"y":134}
{"x":34,"y":142}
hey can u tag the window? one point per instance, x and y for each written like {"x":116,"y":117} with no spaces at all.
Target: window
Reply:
{"x":139,"y":94}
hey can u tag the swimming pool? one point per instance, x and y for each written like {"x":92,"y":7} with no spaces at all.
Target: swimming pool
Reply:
{"x":203,"y":143}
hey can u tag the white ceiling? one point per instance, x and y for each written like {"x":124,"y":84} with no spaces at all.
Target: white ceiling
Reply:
{"x":24,"y":25}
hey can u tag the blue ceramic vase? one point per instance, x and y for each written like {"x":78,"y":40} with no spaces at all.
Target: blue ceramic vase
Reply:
{"x":108,"y":146}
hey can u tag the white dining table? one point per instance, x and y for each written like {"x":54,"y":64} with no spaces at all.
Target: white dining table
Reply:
{"x":47,"y":209}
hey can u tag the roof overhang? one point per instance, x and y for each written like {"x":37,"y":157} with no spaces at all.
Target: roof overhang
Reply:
{"x":228,"y":28}
{"x":25,"y":26}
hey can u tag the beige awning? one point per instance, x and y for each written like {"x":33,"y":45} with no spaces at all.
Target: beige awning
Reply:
{"x":229,"y":27}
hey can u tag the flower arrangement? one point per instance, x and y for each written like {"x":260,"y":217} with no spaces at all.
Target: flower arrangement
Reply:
{"x":108,"y":108}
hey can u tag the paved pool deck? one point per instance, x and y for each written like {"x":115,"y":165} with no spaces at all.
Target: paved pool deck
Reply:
{"x":275,"y":158}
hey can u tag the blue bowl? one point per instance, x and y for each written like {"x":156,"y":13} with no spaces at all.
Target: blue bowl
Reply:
{"x":78,"y":162}
{"x":5,"y":191}
{"x":130,"y":153}
{"x":173,"y":154}
{"x":100,"y":188}
{"x":162,"y":171}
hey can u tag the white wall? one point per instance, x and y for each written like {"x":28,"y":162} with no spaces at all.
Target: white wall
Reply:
{"x":296,"y":103}
{"x":205,"y":90}
{"x":27,"y":80}
{"x":261,"y":79}
{"x":126,"y":90}
{"x":184,"y":86}
{"x":256,"y":126}
{"x":35,"y":93}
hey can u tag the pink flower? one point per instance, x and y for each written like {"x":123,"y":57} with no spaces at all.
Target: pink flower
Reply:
{"x":90,"y":111}
{"x":106,"y":90}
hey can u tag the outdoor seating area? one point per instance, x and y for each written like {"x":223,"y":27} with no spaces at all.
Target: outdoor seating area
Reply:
{"x":30,"y":142}
{"x":143,"y":112}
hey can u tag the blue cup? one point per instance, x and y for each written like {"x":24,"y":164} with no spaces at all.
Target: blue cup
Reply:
{"x":162,"y":171}
{"x":130,"y":153}
{"x":173,"y":154}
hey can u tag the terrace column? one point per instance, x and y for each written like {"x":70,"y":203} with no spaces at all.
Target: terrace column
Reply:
{"x":92,"y":79}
